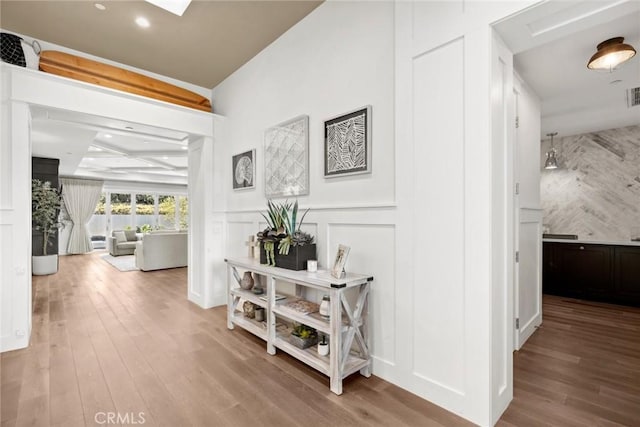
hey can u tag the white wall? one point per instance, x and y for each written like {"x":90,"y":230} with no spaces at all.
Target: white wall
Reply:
{"x":337,"y":59}
{"x":421,"y":223}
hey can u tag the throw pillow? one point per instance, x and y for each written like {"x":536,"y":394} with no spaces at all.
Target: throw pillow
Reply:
{"x":120,"y":236}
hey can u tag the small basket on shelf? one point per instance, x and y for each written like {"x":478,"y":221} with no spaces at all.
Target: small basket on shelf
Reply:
{"x":303,"y":336}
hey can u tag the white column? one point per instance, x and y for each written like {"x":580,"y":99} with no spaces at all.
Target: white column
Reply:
{"x":15,"y":227}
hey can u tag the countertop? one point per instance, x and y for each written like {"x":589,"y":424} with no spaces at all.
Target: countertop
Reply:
{"x":594,"y":242}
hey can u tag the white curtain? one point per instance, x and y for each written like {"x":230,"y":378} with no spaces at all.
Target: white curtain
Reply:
{"x":80,"y":198}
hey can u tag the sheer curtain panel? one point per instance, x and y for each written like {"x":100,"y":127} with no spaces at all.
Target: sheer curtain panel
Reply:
{"x":80,"y":198}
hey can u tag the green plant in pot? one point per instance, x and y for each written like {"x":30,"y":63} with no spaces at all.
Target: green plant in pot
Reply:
{"x":303,"y":336}
{"x":282,"y":234}
{"x":46,"y":202}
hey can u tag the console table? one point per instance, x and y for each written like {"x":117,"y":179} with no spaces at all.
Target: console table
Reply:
{"x":347,"y":326}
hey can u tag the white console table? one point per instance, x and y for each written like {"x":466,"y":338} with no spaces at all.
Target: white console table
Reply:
{"x":347,"y":327}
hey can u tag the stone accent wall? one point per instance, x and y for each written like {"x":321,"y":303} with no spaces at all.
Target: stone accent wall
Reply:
{"x":596,"y":191}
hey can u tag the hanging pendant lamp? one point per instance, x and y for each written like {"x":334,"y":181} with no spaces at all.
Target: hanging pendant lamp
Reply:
{"x":552,"y":159}
{"x":611,"y":53}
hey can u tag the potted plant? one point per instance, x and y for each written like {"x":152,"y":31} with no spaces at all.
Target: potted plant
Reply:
{"x":283,"y":243}
{"x":303,"y":336}
{"x":45,"y":208}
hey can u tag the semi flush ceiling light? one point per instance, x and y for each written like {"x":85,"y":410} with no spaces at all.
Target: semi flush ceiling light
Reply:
{"x":552,"y":159}
{"x":177,"y":7}
{"x":611,"y":53}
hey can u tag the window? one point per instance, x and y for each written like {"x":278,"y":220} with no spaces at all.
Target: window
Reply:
{"x":145,"y":212}
{"x":167,"y":211}
{"x":121,"y":211}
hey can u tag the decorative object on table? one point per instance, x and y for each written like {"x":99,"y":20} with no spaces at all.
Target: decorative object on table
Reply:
{"x":303,"y":336}
{"x":46,"y":202}
{"x":301,"y":306}
{"x":244,"y":170}
{"x":323,"y":346}
{"x":254,"y":246}
{"x":312,"y":265}
{"x":249,"y":309}
{"x":337,"y":270}
{"x":278,"y":297}
{"x":325,"y":307}
{"x":347,"y":144}
{"x":286,"y":158}
{"x":283,"y":243}
{"x":247,"y":281}
{"x":258,"y":286}
{"x":259,"y":312}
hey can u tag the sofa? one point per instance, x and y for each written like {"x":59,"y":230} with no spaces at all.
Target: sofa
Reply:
{"x":156,"y":251}
{"x":122,"y":242}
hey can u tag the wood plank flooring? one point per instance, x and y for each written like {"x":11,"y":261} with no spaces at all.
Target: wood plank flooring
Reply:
{"x":581,"y":368}
{"x":129,"y":343}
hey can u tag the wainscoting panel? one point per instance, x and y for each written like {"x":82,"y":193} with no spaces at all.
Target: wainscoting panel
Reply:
{"x":372,"y":252}
{"x":238,"y":233}
{"x":438,"y":256}
{"x":6,"y":276}
{"x":529,"y":286}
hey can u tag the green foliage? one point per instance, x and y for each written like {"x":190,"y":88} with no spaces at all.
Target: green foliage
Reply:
{"x":46,"y":202}
{"x":303,"y":331}
{"x":283,"y":226}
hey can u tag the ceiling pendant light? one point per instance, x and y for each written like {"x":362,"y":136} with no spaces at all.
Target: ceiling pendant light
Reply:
{"x":611,"y":53}
{"x":552,"y":159}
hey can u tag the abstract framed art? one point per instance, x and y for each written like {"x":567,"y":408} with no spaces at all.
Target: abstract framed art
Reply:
{"x":244,"y":170}
{"x":347,"y":144}
{"x":286,"y":158}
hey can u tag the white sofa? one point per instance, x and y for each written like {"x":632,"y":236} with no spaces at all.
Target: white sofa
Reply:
{"x":157,"y":251}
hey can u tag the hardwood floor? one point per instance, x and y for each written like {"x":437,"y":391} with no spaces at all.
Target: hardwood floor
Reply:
{"x":129,"y":343}
{"x":581,"y":368}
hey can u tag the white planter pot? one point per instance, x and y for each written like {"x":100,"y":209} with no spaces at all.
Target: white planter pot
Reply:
{"x":44,"y":264}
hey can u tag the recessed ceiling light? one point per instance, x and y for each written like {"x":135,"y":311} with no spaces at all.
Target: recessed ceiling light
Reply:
{"x":100,"y":6}
{"x":106,"y":135}
{"x":97,"y":148}
{"x":142,"y":22}
{"x":184,"y":147}
{"x":165,"y":157}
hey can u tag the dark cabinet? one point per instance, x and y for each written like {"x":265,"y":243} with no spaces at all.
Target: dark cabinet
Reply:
{"x":608,"y":273}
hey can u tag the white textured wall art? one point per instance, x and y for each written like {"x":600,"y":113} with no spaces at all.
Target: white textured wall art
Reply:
{"x":347,"y":144}
{"x":286,"y":159}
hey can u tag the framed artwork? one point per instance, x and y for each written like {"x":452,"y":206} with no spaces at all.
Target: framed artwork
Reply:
{"x":244,"y":170}
{"x":286,"y":158}
{"x":347,"y":144}
{"x":341,"y":260}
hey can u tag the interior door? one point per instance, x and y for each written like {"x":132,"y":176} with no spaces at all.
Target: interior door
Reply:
{"x":527,"y":215}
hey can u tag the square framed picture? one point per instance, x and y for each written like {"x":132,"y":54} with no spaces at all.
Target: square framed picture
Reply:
{"x":286,"y":158}
{"x":244,"y":170}
{"x":347,"y":144}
